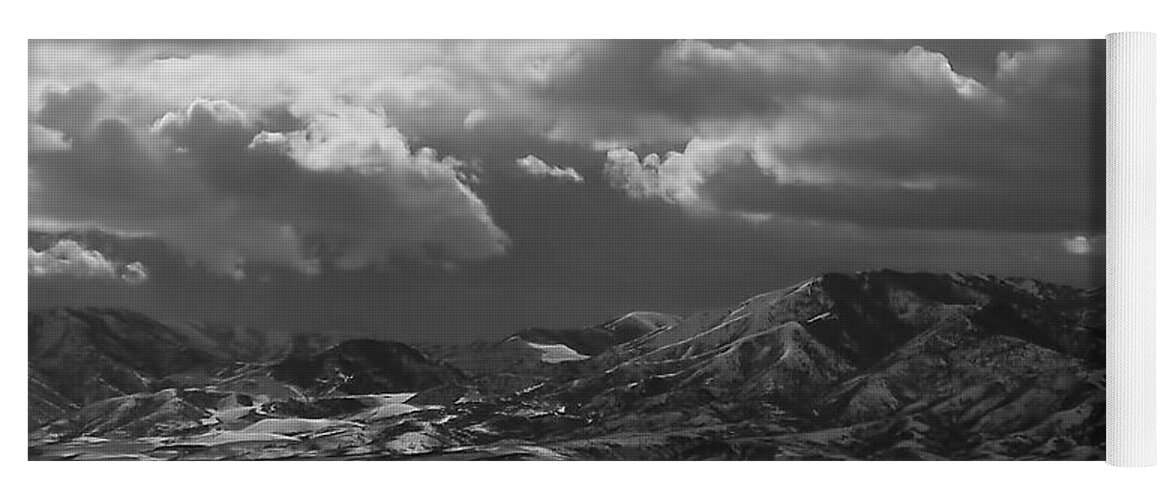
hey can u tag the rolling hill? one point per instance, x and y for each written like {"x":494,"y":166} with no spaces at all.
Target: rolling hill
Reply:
{"x":871,"y":365}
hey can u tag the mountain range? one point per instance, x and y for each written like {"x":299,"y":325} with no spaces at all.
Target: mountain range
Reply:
{"x":877,"y":365}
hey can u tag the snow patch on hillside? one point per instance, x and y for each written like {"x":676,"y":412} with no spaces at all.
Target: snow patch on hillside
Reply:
{"x":557,"y":353}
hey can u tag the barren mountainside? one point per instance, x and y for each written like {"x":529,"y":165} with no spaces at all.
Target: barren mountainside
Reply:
{"x":872,"y":365}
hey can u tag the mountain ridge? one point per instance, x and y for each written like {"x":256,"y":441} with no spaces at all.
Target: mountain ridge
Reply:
{"x":871,"y":365}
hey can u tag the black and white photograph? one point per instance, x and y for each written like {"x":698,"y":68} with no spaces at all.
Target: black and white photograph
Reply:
{"x":599,"y":250}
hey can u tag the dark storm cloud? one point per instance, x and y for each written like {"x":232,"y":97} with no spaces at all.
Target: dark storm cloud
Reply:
{"x":209,"y":181}
{"x":70,"y":112}
{"x":910,"y":143}
{"x":916,"y":208}
{"x":367,"y":183}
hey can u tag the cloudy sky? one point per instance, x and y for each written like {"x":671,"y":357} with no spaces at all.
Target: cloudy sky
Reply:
{"x":453,"y":190}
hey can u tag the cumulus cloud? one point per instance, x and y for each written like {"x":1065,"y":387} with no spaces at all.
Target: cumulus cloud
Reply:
{"x":1077,"y":245}
{"x":345,"y":190}
{"x":677,"y":177}
{"x":134,"y":273}
{"x":885,"y":139}
{"x":70,"y":111}
{"x":890,"y":187}
{"x":425,"y":203}
{"x":69,"y":259}
{"x":537,"y":168}
{"x":205,"y":123}
{"x":316,"y":154}
{"x":1084,"y":245}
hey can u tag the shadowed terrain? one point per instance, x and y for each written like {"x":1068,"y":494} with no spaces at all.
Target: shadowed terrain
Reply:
{"x":876,"y":365}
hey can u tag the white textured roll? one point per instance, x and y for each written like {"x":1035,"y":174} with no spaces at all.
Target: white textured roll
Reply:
{"x":1130,"y":242}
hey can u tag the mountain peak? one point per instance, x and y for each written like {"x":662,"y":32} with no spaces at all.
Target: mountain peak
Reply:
{"x":876,"y":364}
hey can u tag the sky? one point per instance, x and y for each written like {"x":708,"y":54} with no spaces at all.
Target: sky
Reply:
{"x":447,"y":191}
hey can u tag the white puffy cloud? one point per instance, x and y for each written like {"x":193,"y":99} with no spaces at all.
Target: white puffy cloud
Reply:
{"x":601,"y":94}
{"x":311,"y":154}
{"x":933,"y":70}
{"x":537,"y":168}
{"x":45,"y":140}
{"x":675,"y":178}
{"x":1084,"y":245}
{"x":69,"y":259}
{"x":344,"y":191}
{"x":134,"y":273}
{"x":426,"y":201}
{"x":867,"y":136}
{"x":204,"y":122}
{"x":605,"y":94}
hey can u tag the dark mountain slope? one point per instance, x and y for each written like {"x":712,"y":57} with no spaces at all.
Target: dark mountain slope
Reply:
{"x":45,"y":404}
{"x":533,"y":349}
{"x":366,"y":367}
{"x":536,"y":355}
{"x":93,"y":354}
{"x":846,"y":349}
{"x":872,"y":365}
